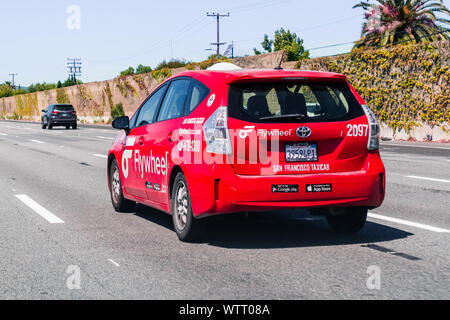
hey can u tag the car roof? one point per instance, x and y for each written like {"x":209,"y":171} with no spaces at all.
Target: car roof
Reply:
{"x":231,"y":76}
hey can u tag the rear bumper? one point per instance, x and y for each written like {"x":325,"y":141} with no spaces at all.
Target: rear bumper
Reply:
{"x":235,"y":193}
{"x":63,"y":121}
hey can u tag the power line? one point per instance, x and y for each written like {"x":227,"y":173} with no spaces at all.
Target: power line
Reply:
{"x":308,"y":28}
{"x":218,"y":16}
{"x":383,"y":46}
{"x":162,"y":42}
{"x":257,"y":5}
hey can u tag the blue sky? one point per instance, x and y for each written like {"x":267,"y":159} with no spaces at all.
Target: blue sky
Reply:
{"x":35,"y":39}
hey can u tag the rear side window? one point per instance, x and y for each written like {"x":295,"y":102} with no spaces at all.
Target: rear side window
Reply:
{"x":198,"y":93}
{"x":293,"y":102}
{"x":63,"y":108}
{"x":175,"y":99}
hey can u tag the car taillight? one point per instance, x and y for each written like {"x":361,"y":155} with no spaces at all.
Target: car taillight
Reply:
{"x":55,"y":112}
{"x":374,"y":129}
{"x":216,"y":132}
{"x":73,"y":112}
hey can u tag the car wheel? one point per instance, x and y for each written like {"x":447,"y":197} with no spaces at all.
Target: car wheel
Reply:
{"x":185,"y":225}
{"x":347,"y":220}
{"x":74,"y":126}
{"x":67,"y":127}
{"x":119,"y":203}
{"x":49,"y":126}
{"x":43,"y":125}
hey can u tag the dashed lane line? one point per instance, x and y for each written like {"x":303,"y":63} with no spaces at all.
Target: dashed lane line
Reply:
{"x":100,"y":155}
{"x":408,"y":223}
{"x":429,"y":179}
{"x":107,"y":138}
{"x":40,"y":210}
{"x":114,"y":263}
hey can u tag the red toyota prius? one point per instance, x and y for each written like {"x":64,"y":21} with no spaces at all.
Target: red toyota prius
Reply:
{"x":214,"y":142}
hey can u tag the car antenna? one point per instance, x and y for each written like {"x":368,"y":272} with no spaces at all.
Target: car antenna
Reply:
{"x":279,"y":67}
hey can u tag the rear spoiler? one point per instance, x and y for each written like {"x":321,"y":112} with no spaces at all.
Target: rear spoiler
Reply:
{"x":287,"y":76}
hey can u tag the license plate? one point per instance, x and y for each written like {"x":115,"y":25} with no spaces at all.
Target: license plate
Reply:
{"x":300,"y":152}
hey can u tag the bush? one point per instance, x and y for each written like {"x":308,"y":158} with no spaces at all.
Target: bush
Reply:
{"x":143,"y":69}
{"x":161,"y":75}
{"x":117,"y":111}
{"x":171,"y":64}
{"x":128,"y":72}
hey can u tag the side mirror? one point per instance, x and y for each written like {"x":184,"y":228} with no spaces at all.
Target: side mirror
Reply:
{"x":122,"y":123}
{"x":43,"y":110}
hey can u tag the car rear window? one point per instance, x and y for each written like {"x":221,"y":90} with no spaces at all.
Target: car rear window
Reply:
{"x":63,"y":108}
{"x":292,"y":102}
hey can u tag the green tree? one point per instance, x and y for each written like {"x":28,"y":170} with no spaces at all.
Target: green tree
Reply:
{"x":117,"y":111}
{"x":127,"y":72}
{"x":267,"y":44}
{"x":6,"y":90}
{"x":391,"y":21}
{"x":143,"y":69}
{"x":285,"y":40}
{"x":41,"y":87}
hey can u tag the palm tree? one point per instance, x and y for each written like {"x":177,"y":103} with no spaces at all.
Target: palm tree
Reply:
{"x":392,"y":21}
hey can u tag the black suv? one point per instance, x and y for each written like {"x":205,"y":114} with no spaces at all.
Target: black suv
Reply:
{"x":59,"y":115}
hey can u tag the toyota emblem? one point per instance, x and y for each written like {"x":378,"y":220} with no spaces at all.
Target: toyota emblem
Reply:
{"x":303,"y":132}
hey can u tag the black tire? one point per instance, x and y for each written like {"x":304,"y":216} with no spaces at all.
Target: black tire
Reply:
{"x":67,"y":127}
{"x":43,"y":125}
{"x":186,"y":226}
{"x":49,"y":126}
{"x":347,"y":220}
{"x":74,"y":126}
{"x":119,"y":203}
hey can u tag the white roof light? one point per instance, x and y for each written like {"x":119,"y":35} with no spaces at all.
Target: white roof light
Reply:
{"x":224,"y":66}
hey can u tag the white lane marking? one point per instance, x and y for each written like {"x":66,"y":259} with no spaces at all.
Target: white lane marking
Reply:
{"x":37,"y":141}
{"x":3,"y":134}
{"x":413,"y":146}
{"x":430,"y":179}
{"x":113,"y":262}
{"x":107,"y":138}
{"x":40,"y":210}
{"x":407,"y":223}
{"x":100,"y":155}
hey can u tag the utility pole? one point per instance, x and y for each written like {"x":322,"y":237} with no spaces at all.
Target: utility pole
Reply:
{"x":13,"y":76}
{"x":74,"y":68}
{"x":232,"y":49}
{"x":218,"y":16}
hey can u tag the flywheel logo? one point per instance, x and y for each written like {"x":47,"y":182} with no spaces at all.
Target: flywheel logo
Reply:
{"x":126,"y":156}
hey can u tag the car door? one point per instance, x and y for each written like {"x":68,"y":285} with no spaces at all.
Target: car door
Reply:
{"x":134,"y":165}
{"x":160,"y":142}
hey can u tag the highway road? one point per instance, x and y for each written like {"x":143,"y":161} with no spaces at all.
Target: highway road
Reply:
{"x":61,"y":239}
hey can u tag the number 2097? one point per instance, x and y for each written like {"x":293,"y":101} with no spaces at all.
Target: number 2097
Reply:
{"x":357,"y":130}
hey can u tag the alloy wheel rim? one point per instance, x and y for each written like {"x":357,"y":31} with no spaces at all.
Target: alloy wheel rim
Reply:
{"x":181,"y":206}
{"x":116,"y":184}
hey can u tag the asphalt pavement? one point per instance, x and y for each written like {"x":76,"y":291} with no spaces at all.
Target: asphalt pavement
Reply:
{"x":61,"y":239}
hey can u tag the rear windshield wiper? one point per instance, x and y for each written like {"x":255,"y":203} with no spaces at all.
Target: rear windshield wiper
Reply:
{"x":296,"y":116}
